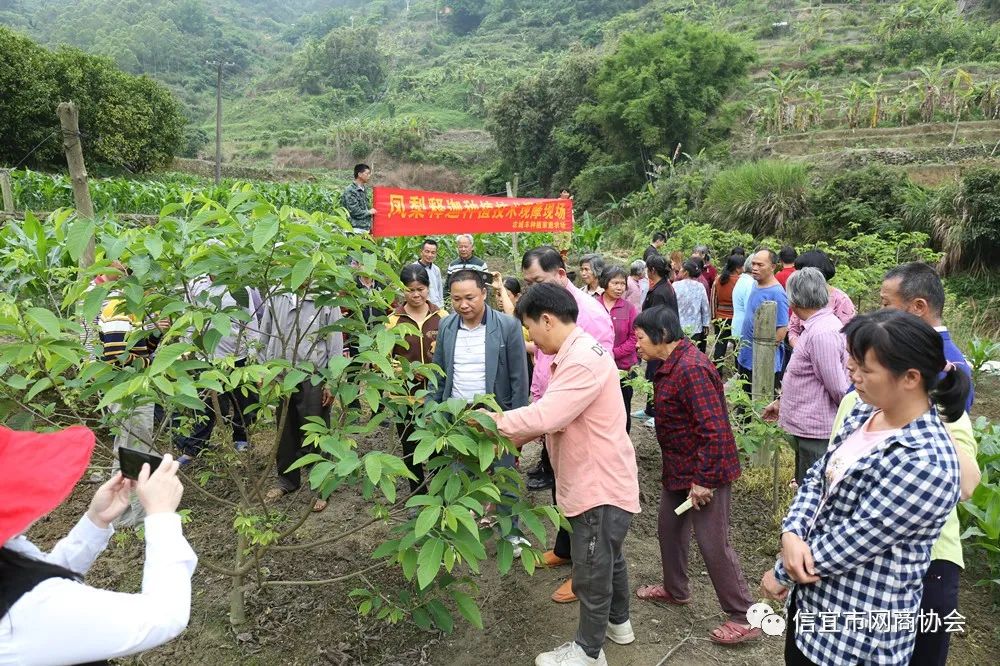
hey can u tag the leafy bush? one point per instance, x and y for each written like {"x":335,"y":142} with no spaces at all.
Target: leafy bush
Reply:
{"x":347,"y":59}
{"x":876,"y":199}
{"x":967,"y":222}
{"x":43,"y":192}
{"x":48,"y":379}
{"x":981,"y":513}
{"x":659,"y":89}
{"x":125,"y":121}
{"x":761,"y":198}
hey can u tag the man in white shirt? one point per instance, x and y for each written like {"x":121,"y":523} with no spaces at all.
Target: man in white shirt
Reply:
{"x":428,"y":254}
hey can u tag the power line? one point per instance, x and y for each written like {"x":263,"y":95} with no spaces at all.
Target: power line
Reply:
{"x":37,"y":146}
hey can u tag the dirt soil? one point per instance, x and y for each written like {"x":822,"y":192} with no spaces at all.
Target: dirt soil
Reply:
{"x":318,"y":625}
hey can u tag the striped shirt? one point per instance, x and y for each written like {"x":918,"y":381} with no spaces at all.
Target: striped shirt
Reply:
{"x":816,"y":378}
{"x":114,"y":330}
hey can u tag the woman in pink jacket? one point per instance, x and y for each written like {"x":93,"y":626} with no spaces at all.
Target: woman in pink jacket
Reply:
{"x":623,"y":314}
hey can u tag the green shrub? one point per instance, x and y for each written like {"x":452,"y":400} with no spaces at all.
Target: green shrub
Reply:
{"x":874,"y":199}
{"x":759,"y":198}
{"x":126,"y":121}
{"x":967,"y":222}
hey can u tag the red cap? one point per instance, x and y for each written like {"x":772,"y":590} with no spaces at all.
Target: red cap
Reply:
{"x":37,"y":472}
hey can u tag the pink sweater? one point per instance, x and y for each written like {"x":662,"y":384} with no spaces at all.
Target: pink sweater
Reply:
{"x":841,"y":305}
{"x":583,"y":413}
{"x":593,"y":319}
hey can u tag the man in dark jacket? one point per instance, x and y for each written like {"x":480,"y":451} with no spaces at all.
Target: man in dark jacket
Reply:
{"x":481,"y":352}
{"x":659,"y":238}
{"x":660,"y":293}
{"x":355,"y":199}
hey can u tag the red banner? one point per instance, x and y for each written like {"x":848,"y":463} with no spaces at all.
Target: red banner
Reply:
{"x":418,"y":213}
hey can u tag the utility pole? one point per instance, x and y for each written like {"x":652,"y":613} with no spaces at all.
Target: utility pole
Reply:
{"x":220,"y":64}
{"x":512,"y":194}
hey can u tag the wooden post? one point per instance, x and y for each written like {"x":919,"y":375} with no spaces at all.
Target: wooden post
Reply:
{"x":764,"y":347}
{"x":6,"y":191}
{"x":512,"y":194}
{"x":69,"y":118}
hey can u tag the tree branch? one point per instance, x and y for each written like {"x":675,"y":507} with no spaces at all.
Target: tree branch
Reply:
{"x":326,"y":581}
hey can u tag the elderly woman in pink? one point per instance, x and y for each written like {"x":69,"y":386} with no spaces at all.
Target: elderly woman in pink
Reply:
{"x":623,"y":314}
{"x":839,"y":303}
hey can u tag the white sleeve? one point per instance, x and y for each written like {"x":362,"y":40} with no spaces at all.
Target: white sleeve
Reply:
{"x":93,"y":624}
{"x":76,"y":551}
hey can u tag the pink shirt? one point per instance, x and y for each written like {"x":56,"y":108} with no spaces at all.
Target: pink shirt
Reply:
{"x":841,"y":305}
{"x":583,"y":413}
{"x":633,"y":292}
{"x":816,"y":378}
{"x":858,"y":444}
{"x":593,"y":319}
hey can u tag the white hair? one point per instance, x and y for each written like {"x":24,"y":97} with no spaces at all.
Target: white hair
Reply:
{"x":458,"y":238}
{"x":806,"y":289}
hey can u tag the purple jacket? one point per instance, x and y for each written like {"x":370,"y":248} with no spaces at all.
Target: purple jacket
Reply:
{"x":623,"y":316}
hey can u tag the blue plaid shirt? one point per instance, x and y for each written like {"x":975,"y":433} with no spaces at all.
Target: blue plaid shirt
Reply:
{"x":871,"y":540}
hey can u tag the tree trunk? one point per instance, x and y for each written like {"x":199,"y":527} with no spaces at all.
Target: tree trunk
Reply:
{"x":69,"y":118}
{"x":237,"y":605}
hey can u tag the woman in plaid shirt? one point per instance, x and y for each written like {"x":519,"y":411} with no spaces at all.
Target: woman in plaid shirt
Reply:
{"x":700,"y":463}
{"x":857,"y":540}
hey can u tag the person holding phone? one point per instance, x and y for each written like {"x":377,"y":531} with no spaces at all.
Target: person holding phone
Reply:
{"x":42,"y":596}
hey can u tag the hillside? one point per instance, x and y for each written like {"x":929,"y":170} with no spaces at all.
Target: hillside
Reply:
{"x":320,"y":84}
{"x":429,"y":69}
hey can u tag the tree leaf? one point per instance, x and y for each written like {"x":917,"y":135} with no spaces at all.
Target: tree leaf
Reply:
{"x":422,"y":619}
{"x":44,"y":319}
{"x":166,"y":355}
{"x":78,"y":235}
{"x":429,"y":561}
{"x":442,"y":618}
{"x":300,"y":272}
{"x":373,"y":467}
{"x":154,"y":245}
{"x":468,"y":608}
{"x":426,"y":520}
{"x":425,"y":449}
{"x":505,"y":556}
{"x":39,"y":386}
{"x":265,"y":230}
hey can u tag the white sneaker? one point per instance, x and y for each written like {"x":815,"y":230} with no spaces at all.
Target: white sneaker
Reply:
{"x":517,"y":542}
{"x":621,"y":633}
{"x":651,"y":423}
{"x":570,"y":654}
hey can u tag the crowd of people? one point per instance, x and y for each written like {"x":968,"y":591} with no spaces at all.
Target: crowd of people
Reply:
{"x":875,"y":406}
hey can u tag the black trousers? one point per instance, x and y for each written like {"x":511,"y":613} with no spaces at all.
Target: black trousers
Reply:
{"x":627,"y":392}
{"x":405,"y":429}
{"x":651,"y":368}
{"x":700,"y":339}
{"x":723,"y":334}
{"x":941,"y":596}
{"x":305,"y":402}
{"x":793,"y":655}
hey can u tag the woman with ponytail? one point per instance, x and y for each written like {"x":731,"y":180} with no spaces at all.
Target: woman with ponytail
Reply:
{"x":856,"y":542}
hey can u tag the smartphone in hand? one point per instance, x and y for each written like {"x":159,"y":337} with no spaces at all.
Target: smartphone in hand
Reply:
{"x":131,"y":461}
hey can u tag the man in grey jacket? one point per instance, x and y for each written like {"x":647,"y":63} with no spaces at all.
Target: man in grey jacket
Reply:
{"x":291,"y":331}
{"x":355,"y":199}
{"x":481,"y":352}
